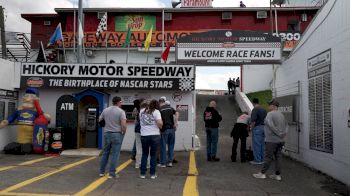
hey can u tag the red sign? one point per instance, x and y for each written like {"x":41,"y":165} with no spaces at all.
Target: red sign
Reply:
{"x":196,"y":3}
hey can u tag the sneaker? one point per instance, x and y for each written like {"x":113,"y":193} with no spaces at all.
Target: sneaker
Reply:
{"x":154,"y":176}
{"x":137,"y":166}
{"x":142,"y":176}
{"x":215,"y":159}
{"x":259,"y":175}
{"x":113,"y":177}
{"x":101,"y":175}
{"x":256,"y":163}
{"x":161,"y":165}
{"x":276,"y":177}
{"x":169,"y":165}
{"x":209,"y":159}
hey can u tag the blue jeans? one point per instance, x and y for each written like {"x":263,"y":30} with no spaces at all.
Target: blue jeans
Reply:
{"x":258,"y":138}
{"x":149,"y":146}
{"x":212,"y":141}
{"x":112,"y":144}
{"x":167,"y":138}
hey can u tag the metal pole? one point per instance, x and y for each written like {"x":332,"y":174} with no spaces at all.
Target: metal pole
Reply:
{"x":163,"y":30}
{"x":2,"y":31}
{"x":80,"y":19}
{"x":74,"y":33}
{"x":127,"y":54}
{"x":106,"y":44}
{"x":271,"y":20}
{"x":276,"y":24}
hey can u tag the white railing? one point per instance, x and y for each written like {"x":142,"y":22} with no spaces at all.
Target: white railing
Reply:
{"x":243,"y":101}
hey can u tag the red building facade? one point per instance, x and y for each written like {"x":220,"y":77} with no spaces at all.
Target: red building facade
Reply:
{"x":178,"y":22}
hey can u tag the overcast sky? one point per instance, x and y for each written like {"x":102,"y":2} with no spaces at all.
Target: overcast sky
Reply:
{"x":14,"y":22}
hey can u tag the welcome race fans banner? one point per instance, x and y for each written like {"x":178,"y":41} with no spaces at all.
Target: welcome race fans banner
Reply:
{"x":229,"y":47}
{"x":108,"y":76}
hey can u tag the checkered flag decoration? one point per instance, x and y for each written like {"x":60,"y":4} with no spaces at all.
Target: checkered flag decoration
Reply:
{"x":186,"y":84}
{"x":102,"y":26}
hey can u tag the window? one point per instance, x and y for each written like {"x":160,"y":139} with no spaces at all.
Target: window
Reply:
{"x":47,"y":22}
{"x":293,"y":25}
{"x":11,"y":108}
{"x":320,"y":103}
{"x":157,"y":60}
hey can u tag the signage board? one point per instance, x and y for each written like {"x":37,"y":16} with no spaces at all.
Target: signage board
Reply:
{"x":288,"y":107}
{"x":109,"y":76}
{"x":229,"y":47}
{"x":196,"y":3}
{"x":136,"y":22}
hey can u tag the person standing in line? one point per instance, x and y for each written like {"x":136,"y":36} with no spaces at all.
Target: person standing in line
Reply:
{"x":114,"y":130}
{"x":212,"y":119}
{"x":238,"y":83}
{"x":233,"y":86}
{"x":229,"y":86}
{"x":135,"y":114}
{"x":257,"y":124}
{"x":151,"y":122}
{"x":170,"y":119}
{"x":240,"y":132}
{"x":139,"y":104}
{"x":276,"y":128}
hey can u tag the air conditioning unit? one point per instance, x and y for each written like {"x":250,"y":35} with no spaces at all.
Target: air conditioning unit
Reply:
{"x":261,"y":14}
{"x":168,"y":16}
{"x":100,"y":15}
{"x":226,"y":15}
{"x":47,"y":22}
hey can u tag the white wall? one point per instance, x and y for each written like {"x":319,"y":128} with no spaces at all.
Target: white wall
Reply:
{"x":7,"y":76}
{"x":256,"y":78}
{"x":329,"y":30}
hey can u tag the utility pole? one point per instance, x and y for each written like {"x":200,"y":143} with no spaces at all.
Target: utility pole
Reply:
{"x":2,"y":31}
{"x":80,"y":22}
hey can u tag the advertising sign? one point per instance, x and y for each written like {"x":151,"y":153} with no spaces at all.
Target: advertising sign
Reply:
{"x":136,"y":22}
{"x":183,"y":112}
{"x":319,"y":64}
{"x":288,"y":107}
{"x":229,"y":47}
{"x":109,"y":76}
{"x":6,"y":94}
{"x":117,"y":39}
{"x":196,"y":3}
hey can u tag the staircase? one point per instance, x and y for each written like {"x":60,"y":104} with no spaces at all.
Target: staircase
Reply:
{"x":17,"y":47}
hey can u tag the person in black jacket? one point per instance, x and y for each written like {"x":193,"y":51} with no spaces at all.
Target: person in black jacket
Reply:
{"x":212,"y":119}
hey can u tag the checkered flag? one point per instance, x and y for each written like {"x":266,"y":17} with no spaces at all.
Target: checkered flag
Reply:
{"x":186,"y":84}
{"x":102,"y":26}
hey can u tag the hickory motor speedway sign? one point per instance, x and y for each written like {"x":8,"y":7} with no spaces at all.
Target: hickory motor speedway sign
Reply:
{"x":108,"y":76}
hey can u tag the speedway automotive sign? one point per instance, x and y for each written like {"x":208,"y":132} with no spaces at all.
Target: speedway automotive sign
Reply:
{"x":108,"y":76}
{"x":229,"y":47}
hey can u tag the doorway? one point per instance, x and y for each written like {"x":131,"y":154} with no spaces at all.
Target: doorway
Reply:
{"x":88,"y":115}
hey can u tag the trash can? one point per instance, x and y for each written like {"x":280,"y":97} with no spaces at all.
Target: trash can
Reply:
{"x":55,"y":141}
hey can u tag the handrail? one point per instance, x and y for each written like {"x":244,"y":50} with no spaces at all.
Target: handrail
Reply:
{"x":243,"y":101}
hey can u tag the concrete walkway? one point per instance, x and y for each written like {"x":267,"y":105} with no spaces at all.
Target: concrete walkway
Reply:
{"x":34,"y":175}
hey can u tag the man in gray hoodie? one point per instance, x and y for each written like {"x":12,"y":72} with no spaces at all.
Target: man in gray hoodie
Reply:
{"x":276,"y":128}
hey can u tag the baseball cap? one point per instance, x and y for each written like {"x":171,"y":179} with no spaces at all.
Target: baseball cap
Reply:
{"x":274,"y":102}
{"x":162,"y":99}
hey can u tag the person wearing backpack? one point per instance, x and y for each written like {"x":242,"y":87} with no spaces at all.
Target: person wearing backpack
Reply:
{"x":276,"y":128}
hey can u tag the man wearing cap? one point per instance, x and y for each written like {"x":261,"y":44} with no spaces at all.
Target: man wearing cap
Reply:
{"x":114,"y":130}
{"x":170,"y":118}
{"x":276,"y":128}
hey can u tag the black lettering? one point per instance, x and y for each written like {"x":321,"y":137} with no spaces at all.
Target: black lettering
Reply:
{"x":110,"y":70}
{"x":55,"y":69}
{"x":160,"y":71}
{"x":37,"y":69}
{"x":151,"y":71}
{"x":188,"y":53}
{"x":170,"y":71}
{"x":83,"y":70}
{"x":228,"y":53}
{"x":119,"y":71}
{"x":93,"y":70}
{"x":64,"y":70}
{"x":130,"y":73}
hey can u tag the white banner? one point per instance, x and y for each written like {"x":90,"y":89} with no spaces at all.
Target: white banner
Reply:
{"x":106,"y":70}
{"x":262,"y":54}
